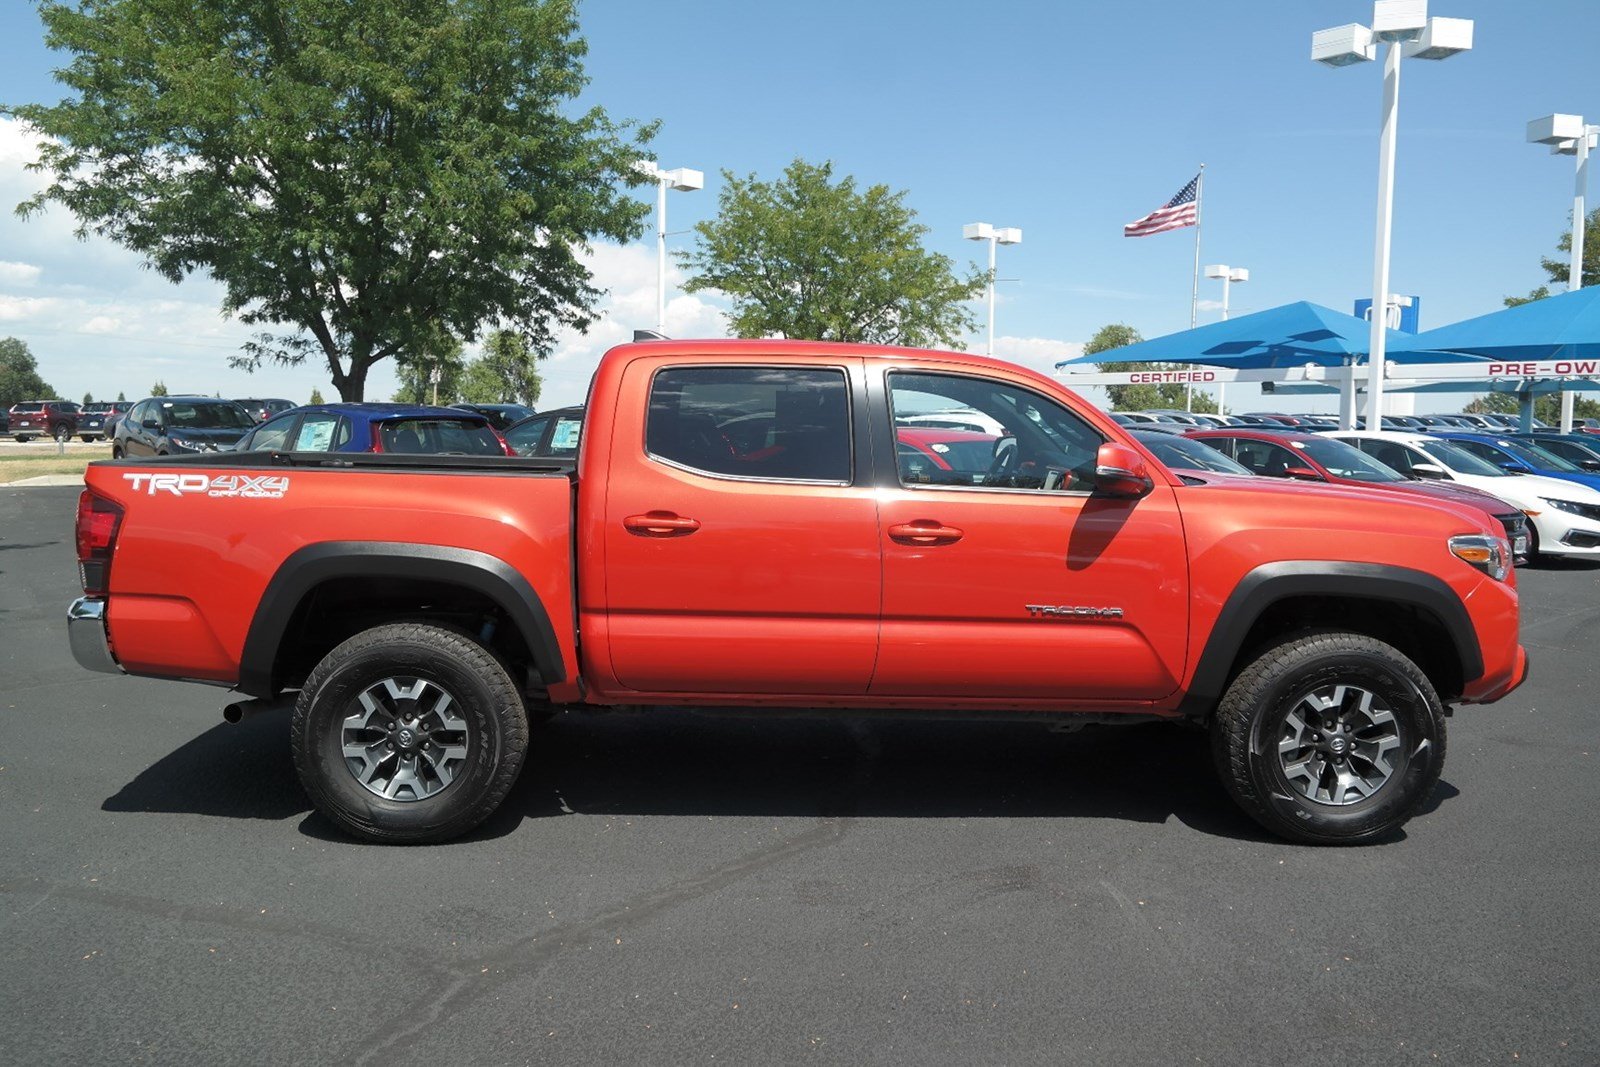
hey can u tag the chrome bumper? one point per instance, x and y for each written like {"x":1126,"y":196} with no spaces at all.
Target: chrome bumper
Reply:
{"x":86,"y":630}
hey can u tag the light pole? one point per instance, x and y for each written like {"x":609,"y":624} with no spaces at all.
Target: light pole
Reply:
{"x":1404,"y":28}
{"x":995,"y":235}
{"x":1568,"y":135}
{"x":683,"y":180}
{"x":1228,"y":276}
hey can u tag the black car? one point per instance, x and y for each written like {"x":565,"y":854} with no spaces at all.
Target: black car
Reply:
{"x":549,"y":433}
{"x":180,"y":425}
{"x":500,"y":416}
{"x":99,"y":418}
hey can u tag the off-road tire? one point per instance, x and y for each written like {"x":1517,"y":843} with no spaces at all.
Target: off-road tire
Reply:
{"x":1253,"y":717}
{"x":484,"y":697}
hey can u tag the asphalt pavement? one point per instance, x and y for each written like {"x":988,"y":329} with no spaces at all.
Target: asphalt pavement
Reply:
{"x":672,"y":888}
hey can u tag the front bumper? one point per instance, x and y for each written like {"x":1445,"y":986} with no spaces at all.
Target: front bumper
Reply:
{"x":86,"y":631}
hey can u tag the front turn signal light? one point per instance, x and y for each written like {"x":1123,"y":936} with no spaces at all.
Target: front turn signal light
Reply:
{"x":1488,"y":554}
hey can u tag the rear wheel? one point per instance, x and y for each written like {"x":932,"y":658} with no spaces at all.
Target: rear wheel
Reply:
{"x":116,"y":452}
{"x":62,"y":434}
{"x":23,"y":438}
{"x":88,"y":438}
{"x":1330,"y":738}
{"x":409,"y":733}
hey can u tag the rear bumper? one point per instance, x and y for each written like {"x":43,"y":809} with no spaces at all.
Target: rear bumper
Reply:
{"x":86,"y":631}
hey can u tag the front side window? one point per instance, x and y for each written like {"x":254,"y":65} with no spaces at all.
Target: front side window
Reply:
{"x":1264,"y":458}
{"x":1026,"y":441}
{"x":564,"y":436}
{"x":321,"y":431}
{"x":524,"y":436}
{"x":769,"y":423}
{"x":269,"y":436}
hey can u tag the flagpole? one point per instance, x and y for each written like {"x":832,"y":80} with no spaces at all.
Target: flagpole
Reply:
{"x":1194,"y":290}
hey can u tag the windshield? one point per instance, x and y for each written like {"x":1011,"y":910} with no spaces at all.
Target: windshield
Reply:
{"x":1183,"y":454}
{"x":1461,"y":462}
{"x":1347,"y":461}
{"x":200,"y":415}
{"x":1538,"y":458}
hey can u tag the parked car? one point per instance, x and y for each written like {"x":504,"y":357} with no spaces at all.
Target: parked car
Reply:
{"x":1181,"y":453}
{"x":1564,"y":518}
{"x":929,"y":455}
{"x":500,"y":416}
{"x":99,"y":418}
{"x":1520,"y":457}
{"x":43,"y":418}
{"x":1320,"y":458}
{"x":552,"y":433}
{"x":417,"y":429}
{"x":418,"y":610}
{"x":179,"y":425}
{"x":954,"y":419}
{"x":1580,"y":449}
{"x":262,"y":410}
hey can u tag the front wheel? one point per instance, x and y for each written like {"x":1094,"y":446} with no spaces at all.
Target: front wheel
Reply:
{"x":116,"y":451}
{"x":1330,"y":738}
{"x":63,"y":434}
{"x":23,"y":438}
{"x":409,"y":733}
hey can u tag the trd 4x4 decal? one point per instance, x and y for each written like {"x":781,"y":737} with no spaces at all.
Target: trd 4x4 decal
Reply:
{"x":252,"y":486}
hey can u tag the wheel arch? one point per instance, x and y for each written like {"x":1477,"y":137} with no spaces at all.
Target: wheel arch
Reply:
{"x":482,"y":577}
{"x":1415,"y":611}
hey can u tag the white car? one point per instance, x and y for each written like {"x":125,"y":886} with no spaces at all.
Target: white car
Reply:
{"x":1563,"y":517}
{"x":954,"y":419}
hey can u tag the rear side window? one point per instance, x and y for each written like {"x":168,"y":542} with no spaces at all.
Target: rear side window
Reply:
{"x":524,"y":436}
{"x":564,"y":436}
{"x":437,"y":436}
{"x":26,"y":408}
{"x":768,"y":423}
{"x":321,"y":431}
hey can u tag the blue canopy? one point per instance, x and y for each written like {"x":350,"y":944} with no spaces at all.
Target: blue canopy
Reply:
{"x":1288,"y":336}
{"x":1557,"y":327}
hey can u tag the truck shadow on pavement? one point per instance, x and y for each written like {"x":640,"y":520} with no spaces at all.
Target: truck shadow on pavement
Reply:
{"x":661,"y":762}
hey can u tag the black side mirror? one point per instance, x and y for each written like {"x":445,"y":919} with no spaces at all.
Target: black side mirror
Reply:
{"x":151,"y":424}
{"x":1590,"y":464}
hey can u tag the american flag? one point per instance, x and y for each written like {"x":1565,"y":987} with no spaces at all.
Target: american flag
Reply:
{"x":1175,"y":214}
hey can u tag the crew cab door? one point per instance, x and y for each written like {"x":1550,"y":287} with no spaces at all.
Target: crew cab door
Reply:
{"x":740,"y":530}
{"x":1004,"y":575}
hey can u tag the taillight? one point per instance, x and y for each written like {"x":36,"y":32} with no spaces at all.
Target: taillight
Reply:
{"x":98,"y":521}
{"x":498,"y":436}
{"x":377,"y":439}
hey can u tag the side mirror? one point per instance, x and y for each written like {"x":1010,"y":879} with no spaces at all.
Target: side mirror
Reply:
{"x":1513,"y":467}
{"x":151,"y":424}
{"x":1590,"y":464}
{"x":1430,"y":471}
{"x":1303,"y":474}
{"x":1120,"y":471}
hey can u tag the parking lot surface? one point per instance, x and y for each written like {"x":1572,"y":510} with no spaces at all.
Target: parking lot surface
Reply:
{"x":674,"y":888}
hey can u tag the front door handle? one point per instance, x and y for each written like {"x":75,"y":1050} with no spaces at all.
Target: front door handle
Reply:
{"x":924,"y":532}
{"x":660,"y":524}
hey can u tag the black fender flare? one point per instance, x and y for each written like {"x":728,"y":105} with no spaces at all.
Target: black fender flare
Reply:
{"x":1271,"y":582}
{"x":308,"y":567}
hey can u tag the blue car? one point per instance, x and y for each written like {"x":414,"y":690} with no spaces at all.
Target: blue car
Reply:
{"x":1520,"y":455}
{"x":414,"y":429}
{"x":1582,"y":449}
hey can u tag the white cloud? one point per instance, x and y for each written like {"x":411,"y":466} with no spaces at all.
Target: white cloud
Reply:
{"x":18,"y":274}
{"x":1037,"y":353}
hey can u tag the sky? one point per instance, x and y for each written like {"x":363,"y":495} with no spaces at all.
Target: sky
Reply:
{"x":1063,"y":118}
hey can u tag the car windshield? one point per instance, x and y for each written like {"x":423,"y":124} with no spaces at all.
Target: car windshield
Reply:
{"x":1538,"y":458}
{"x":440,"y":436}
{"x":200,"y":415}
{"x":1461,"y":462}
{"x":1346,"y":461}
{"x":1180,"y":453}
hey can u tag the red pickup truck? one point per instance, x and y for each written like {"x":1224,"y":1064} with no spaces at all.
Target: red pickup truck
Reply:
{"x":744,"y":527}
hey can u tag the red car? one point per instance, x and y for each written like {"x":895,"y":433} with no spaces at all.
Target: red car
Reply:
{"x":43,"y":418}
{"x":1314,"y":458}
{"x":739,"y":532}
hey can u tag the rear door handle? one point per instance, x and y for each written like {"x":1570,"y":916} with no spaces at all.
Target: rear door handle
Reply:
{"x":925,"y":532}
{"x":660,"y":524}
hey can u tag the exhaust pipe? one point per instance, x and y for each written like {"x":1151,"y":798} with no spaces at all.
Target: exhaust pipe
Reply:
{"x":241,"y":710}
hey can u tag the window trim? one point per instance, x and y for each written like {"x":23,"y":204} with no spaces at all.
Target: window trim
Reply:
{"x":888,"y":409}
{"x":850,"y":423}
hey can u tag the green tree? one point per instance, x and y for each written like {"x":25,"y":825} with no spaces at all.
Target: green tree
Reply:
{"x":121,"y":397}
{"x":1546,"y":406}
{"x":508,"y":369}
{"x":809,"y":257}
{"x":316,"y":396}
{"x":159,"y":389}
{"x":1141,"y":397}
{"x":19,"y":374}
{"x":88,"y":398}
{"x":356,"y":173}
{"x":435,"y":351}
{"x":1560,"y":269}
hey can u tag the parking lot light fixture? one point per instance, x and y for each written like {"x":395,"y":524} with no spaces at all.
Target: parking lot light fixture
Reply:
{"x":1227,"y":275}
{"x":682,"y":180}
{"x":1569,"y":135}
{"x":995,"y":235}
{"x":1403,"y":28}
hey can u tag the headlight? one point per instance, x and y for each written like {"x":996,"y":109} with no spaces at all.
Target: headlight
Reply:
{"x":1488,"y":554}
{"x":1573,"y":507}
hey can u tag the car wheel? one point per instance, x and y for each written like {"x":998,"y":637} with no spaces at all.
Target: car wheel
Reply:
{"x":409,"y":733}
{"x":62,"y":434}
{"x":1330,"y":738}
{"x":88,"y":438}
{"x":23,"y":438}
{"x":1533,"y":542}
{"x":116,"y":452}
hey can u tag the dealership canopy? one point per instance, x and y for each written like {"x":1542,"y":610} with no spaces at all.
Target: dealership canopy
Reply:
{"x":1565,"y":327}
